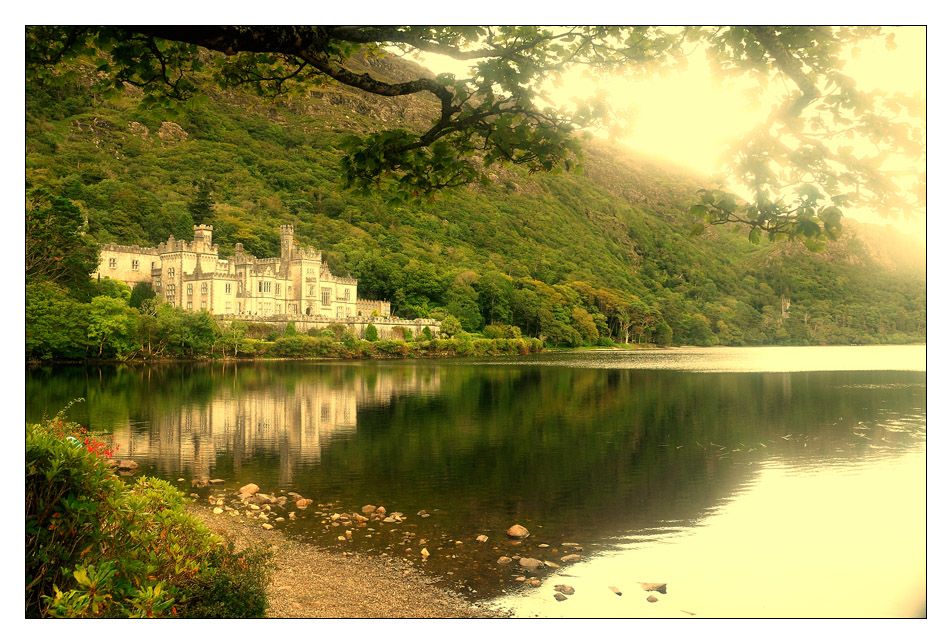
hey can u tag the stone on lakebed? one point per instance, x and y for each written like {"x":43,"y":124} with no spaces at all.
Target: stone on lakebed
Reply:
{"x":530,"y":563}
{"x":249,"y":489}
{"x":517,"y":532}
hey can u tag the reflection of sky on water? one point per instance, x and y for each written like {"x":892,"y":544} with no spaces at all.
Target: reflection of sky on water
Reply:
{"x":848,"y":542}
{"x":743,"y":359}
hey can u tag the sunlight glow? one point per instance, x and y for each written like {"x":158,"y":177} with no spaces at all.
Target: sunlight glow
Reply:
{"x":688,"y":118}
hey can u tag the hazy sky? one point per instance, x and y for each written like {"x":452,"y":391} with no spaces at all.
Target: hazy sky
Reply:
{"x":685,"y":117}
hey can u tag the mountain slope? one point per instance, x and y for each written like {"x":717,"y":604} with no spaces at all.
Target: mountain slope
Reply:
{"x":557,"y":255}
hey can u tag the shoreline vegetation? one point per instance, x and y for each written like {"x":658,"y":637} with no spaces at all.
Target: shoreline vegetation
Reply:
{"x":120,"y":326}
{"x":412,"y":352}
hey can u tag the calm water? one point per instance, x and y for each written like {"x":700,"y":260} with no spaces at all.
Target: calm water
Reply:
{"x":754,"y":482}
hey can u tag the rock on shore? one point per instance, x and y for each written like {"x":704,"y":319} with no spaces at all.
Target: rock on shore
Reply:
{"x":309,"y":581}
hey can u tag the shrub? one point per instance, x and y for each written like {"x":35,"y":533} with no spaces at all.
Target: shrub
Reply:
{"x":301,"y":346}
{"x":259,"y":330}
{"x":482,"y":347}
{"x":370,"y":333}
{"x":521,"y":346}
{"x":392,"y":347}
{"x":463,"y":346}
{"x":234,"y":585}
{"x":339,"y":332}
{"x":96,"y":547}
{"x":450,"y":327}
{"x":365,"y":349}
{"x":499,"y":330}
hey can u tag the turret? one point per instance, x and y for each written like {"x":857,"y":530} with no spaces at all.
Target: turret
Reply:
{"x":203,"y":234}
{"x":287,"y":240}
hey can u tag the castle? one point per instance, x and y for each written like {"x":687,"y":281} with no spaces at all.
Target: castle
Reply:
{"x":190,"y":275}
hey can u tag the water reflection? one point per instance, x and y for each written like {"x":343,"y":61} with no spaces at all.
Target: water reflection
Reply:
{"x":611,"y":458}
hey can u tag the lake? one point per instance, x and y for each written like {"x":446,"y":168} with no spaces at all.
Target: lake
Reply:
{"x":754,"y":482}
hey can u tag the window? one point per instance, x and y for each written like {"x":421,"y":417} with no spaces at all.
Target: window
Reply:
{"x":158,"y":284}
{"x":188,"y":289}
{"x":267,"y":287}
{"x":340,"y":311}
{"x":204,"y":305}
{"x":325,"y":297}
{"x":171,"y":272}
{"x":170,"y":289}
{"x":310,"y":290}
{"x":189,"y":305}
{"x":293,"y":309}
{"x":135,"y":264}
{"x":204,"y":288}
{"x":227,"y":307}
{"x":112,"y":262}
{"x":347,"y":294}
{"x":228,"y":289}
{"x":277,"y":289}
{"x":277,"y":308}
{"x":153,"y":265}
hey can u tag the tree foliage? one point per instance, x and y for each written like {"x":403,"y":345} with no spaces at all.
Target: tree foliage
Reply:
{"x":801,"y":168}
{"x":56,"y":247}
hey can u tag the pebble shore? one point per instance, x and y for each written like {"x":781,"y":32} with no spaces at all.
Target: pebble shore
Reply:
{"x":308,"y":581}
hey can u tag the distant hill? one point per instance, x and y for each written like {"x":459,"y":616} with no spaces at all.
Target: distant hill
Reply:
{"x":581,"y":246}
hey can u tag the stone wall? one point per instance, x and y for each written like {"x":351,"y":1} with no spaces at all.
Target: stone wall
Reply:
{"x":386,"y":327}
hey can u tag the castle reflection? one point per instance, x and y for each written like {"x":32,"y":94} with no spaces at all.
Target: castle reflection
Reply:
{"x":251,"y":416}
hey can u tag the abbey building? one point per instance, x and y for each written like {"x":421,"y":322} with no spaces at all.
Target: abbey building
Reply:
{"x":192,"y":276}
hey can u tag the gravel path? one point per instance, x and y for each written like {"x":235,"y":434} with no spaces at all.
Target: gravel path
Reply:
{"x":308,"y":581}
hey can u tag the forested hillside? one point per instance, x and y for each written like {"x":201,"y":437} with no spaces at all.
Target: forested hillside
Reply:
{"x":603,"y":255}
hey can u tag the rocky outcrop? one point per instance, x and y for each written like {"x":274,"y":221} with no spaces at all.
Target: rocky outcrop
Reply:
{"x":171,"y":132}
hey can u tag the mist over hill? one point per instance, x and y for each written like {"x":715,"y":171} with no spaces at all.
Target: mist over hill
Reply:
{"x":603,"y":253}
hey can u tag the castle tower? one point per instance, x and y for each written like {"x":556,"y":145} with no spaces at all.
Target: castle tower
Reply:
{"x":287,"y":240}
{"x":203,"y":234}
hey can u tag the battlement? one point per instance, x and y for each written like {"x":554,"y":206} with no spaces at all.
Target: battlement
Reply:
{"x":139,"y":250}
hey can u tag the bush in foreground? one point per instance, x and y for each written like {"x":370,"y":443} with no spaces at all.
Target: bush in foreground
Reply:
{"x":96,"y":547}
